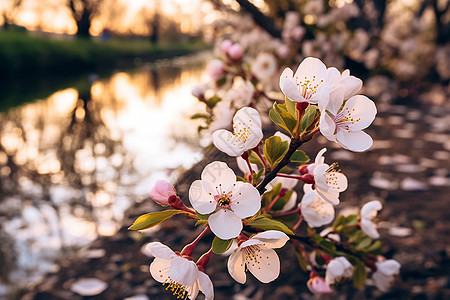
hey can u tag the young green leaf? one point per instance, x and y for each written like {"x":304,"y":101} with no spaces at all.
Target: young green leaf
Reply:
{"x":301,"y":260}
{"x":359,"y":275}
{"x":219,"y":246}
{"x":308,"y":117}
{"x":299,"y":157}
{"x":291,"y":107}
{"x":152,"y":219}
{"x":275,"y":149}
{"x":269,"y":224}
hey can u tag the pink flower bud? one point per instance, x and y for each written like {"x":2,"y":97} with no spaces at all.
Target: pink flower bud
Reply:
{"x":215,"y":69}
{"x":317,"y":285}
{"x":236,"y":52}
{"x":161,"y":192}
{"x":226,"y":45}
{"x":198,"y":91}
{"x":298,"y":33}
{"x":283,"y":51}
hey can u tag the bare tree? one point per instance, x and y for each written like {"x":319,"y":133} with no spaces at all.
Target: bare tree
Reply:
{"x":9,"y":10}
{"x":83,"y":11}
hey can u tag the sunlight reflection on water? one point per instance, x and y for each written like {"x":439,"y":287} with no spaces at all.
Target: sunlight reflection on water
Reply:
{"x":71,"y":164}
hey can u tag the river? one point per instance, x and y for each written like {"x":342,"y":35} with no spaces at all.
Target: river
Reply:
{"x":71,"y":164}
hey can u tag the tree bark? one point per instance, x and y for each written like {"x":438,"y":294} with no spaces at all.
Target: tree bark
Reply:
{"x":262,"y":20}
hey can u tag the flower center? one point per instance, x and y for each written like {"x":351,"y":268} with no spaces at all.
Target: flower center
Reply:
{"x":308,"y":87}
{"x":253,"y":254}
{"x":223,"y":201}
{"x":178,"y":290}
{"x":345,"y":118}
{"x":242,"y":131}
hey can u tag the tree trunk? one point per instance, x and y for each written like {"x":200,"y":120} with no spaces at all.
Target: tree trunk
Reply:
{"x":83,"y":25}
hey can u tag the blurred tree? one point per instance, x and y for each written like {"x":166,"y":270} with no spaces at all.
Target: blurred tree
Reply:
{"x":83,"y":11}
{"x":154,"y":24}
{"x":9,"y":10}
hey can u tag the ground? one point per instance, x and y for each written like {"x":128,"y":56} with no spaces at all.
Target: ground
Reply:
{"x":407,"y":168}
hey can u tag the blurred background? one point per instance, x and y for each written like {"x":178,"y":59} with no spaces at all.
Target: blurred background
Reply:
{"x":96,"y":105}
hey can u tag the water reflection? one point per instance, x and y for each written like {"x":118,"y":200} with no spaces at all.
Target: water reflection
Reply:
{"x":70,"y":165}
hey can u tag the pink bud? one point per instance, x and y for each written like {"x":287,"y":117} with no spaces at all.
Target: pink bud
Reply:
{"x":198,"y":91}
{"x":236,"y":52}
{"x":283,"y":51}
{"x":317,"y":285}
{"x":226,"y":45}
{"x":298,"y":33}
{"x":215,"y":69}
{"x":161,"y":192}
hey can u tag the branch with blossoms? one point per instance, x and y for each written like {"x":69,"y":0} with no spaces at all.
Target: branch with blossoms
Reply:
{"x":252,"y":215}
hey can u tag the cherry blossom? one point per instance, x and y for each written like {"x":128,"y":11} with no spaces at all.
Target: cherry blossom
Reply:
{"x":338,"y":268}
{"x":227,"y":201}
{"x":308,"y":84}
{"x":161,"y":192}
{"x":384,"y":275}
{"x":315,"y":210}
{"x":181,"y":275}
{"x":241,"y":92}
{"x":328,"y":181}
{"x":345,"y":124}
{"x":258,"y":256}
{"x":247,"y":133}
{"x":369,"y":212}
{"x":317,"y":285}
{"x":222,"y":116}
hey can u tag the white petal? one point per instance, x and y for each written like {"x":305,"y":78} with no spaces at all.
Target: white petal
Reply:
{"x":183,"y":271}
{"x":264,"y":264}
{"x":282,"y":136}
{"x":225,"y":224}
{"x":289,"y":87}
{"x":243,"y":166}
{"x":382,"y":281}
{"x":360,"y":110}
{"x":159,"y":269}
{"x":291,"y":203}
{"x":331,"y":196}
{"x":160,"y":250}
{"x":287,"y":183}
{"x":389,"y":267}
{"x":322,"y":96}
{"x":246,"y":114}
{"x":356,"y":141}
{"x":369,"y":228}
{"x":327,"y":127}
{"x":315,"y":210}
{"x":336,"y":181}
{"x":352,"y":86}
{"x":200,"y":199}
{"x":272,"y":238}
{"x":319,"y":157}
{"x":370,"y":209}
{"x":227,"y":142}
{"x":236,"y":266}
{"x":336,"y":99}
{"x":251,"y":242}
{"x":246,"y":200}
{"x":333,"y":76}
{"x":193,"y":289}
{"x":310,"y":67}
{"x":218,"y":175}
{"x":206,"y":286}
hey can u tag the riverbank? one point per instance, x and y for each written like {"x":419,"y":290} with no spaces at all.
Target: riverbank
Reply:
{"x":25,"y":54}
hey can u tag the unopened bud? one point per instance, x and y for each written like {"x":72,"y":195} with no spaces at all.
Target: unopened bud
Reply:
{"x":161,"y":192}
{"x":226,"y":45}
{"x":236,"y":52}
{"x":317,"y":285}
{"x":198,"y":92}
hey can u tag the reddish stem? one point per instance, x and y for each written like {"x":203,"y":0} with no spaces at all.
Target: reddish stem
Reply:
{"x":189,"y":248}
{"x":245,"y":157}
{"x":203,"y":260}
{"x":287,"y":213}
{"x":263,"y":160}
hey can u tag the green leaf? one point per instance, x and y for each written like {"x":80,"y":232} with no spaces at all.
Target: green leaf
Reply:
{"x":374,"y":248}
{"x":283,"y":200}
{"x":300,"y":157}
{"x":200,"y":116}
{"x":327,"y":245}
{"x":254,"y":158}
{"x":214,"y":100}
{"x":275,"y":149}
{"x":288,"y":119}
{"x":256,"y":176}
{"x":301,"y":260}
{"x":270,"y":224}
{"x":219,"y":246}
{"x":351,"y":220}
{"x":277,"y":119}
{"x":202,"y":217}
{"x":363,"y":243}
{"x":359,"y":275}
{"x":291,"y":107}
{"x":151,"y":219}
{"x":308,"y":117}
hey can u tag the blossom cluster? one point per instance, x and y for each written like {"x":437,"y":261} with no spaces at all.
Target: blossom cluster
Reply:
{"x":253,"y":214}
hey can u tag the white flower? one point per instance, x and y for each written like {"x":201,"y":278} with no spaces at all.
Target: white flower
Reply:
{"x":347,"y":84}
{"x":369,"y":212}
{"x":258,"y":256}
{"x":344,"y":124}
{"x":315,"y":210}
{"x":337,"y":269}
{"x":384,"y":275}
{"x":228,"y":201}
{"x":327,"y":182}
{"x":264,"y":66}
{"x":308,"y":84}
{"x":222,"y":116}
{"x":180,"y":274}
{"x":243,"y":166}
{"x":247,"y":133}
{"x":241,"y":93}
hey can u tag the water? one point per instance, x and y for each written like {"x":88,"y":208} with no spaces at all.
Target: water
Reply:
{"x":71,"y":164}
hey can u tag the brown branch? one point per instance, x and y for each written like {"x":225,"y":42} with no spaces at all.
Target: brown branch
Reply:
{"x":261,"y":19}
